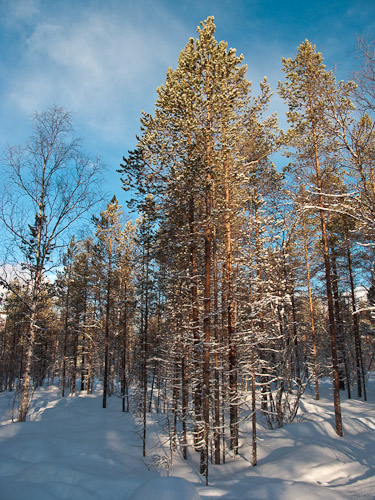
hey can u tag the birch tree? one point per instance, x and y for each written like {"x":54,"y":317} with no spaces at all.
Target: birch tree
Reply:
{"x":49,"y":184}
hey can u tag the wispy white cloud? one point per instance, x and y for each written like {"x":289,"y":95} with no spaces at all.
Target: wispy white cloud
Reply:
{"x":22,"y":11}
{"x":104,"y":60}
{"x":100,"y":64}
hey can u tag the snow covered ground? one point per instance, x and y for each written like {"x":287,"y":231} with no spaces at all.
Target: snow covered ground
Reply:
{"x":73,"y":449}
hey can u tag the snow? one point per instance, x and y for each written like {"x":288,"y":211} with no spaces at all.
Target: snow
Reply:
{"x":166,"y":488}
{"x":73,"y":449}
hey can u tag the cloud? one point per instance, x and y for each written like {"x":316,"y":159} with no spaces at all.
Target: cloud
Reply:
{"x":22,"y":11}
{"x":102,"y":64}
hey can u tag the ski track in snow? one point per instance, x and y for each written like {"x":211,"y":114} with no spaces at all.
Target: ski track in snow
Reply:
{"x":72,"y":449}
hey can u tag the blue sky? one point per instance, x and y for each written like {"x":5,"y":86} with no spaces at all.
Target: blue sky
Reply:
{"x":103,"y":60}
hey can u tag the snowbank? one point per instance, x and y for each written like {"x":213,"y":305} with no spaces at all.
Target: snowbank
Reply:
{"x":72,"y":449}
{"x":166,"y":488}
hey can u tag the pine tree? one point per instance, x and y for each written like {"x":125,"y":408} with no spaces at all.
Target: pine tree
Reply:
{"x":194,"y":158}
{"x":108,"y":234}
{"x":126,"y":305}
{"x":307,"y":90}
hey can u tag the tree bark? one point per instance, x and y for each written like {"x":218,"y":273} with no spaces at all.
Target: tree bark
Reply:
{"x":312,"y":320}
{"x":331,"y":317}
{"x":233,"y":393}
{"x":361,"y":382}
{"x":206,"y":329}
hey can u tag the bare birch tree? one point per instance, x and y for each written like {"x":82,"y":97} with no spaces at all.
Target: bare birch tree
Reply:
{"x":49,"y":184}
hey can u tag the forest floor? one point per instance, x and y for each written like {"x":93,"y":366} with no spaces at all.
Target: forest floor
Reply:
{"x":73,"y":449}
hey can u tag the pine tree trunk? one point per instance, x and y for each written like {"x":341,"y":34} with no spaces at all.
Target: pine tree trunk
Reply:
{"x":90,"y":382}
{"x":65,"y":346}
{"x":217,"y":437}
{"x":54,"y":360}
{"x":336,"y":386}
{"x":195,"y":325}
{"x":106,"y":329}
{"x":145,"y":352}
{"x":339,"y":327}
{"x":185,"y":400}
{"x":175,"y":406}
{"x":224,"y":371}
{"x":297,"y":358}
{"x":74,"y":356}
{"x":124,"y":346}
{"x":233,"y":393}
{"x":357,"y":339}
{"x":83,"y":343}
{"x":311,"y":307}
{"x":253,"y":409}
{"x":206,"y":330}
{"x":264,"y":379}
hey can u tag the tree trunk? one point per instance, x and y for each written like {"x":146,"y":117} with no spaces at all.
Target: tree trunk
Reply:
{"x":106,"y":329}
{"x":357,"y":338}
{"x":253,"y":409}
{"x":185,"y":400}
{"x":124,"y":347}
{"x":336,"y":386}
{"x":195,"y":325}
{"x":311,"y":307}
{"x":233,"y":393}
{"x":343,"y":360}
{"x":217,"y":426}
{"x":145,"y":351}
{"x":27,"y":389}
{"x":206,"y":330}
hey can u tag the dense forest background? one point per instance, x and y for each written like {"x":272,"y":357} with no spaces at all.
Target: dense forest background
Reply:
{"x":235,"y":285}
